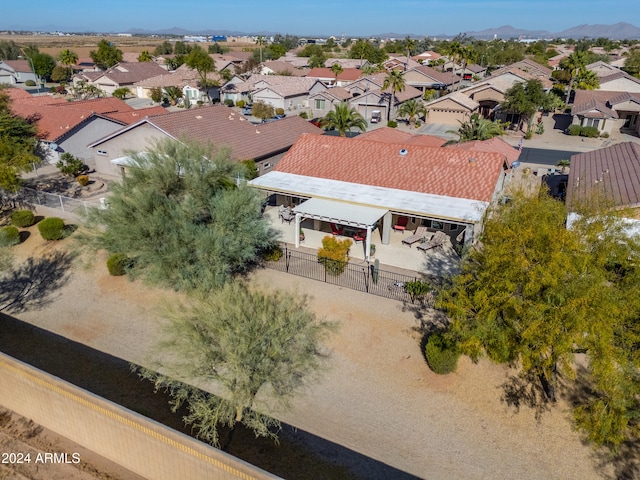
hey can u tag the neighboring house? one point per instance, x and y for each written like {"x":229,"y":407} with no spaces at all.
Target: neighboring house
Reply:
{"x":425,"y":78}
{"x":369,"y":184}
{"x":602,"y":69}
{"x":277,"y":67}
{"x":323,"y":101}
{"x":451,"y":109}
{"x":399,"y":62}
{"x":347,"y":62}
{"x":281,"y":91}
{"x":326,"y":76}
{"x":16,"y":71}
{"x":393,"y":135}
{"x":294,"y":60}
{"x":426,"y":58}
{"x":378,"y":99}
{"x":610,"y":175}
{"x":218,"y":125}
{"x":70,"y":126}
{"x":184,"y":78}
{"x":534,"y":69}
{"x":619,"y":81}
{"x":493,"y":145}
{"x":607,"y":111}
{"x":122,"y":75}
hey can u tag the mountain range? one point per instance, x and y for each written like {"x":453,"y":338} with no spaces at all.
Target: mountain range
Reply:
{"x":618,"y":31}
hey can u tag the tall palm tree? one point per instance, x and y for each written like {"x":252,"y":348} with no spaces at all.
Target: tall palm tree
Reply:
{"x":477,"y":128}
{"x":409,"y":45}
{"x":412,"y":108}
{"x":394,"y":81}
{"x":454,"y":51}
{"x":337,"y":69}
{"x":343,"y":118}
{"x":573,"y":64}
{"x":68,"y":57}
{"x":261,"y":42}
{"x":586,"y":80}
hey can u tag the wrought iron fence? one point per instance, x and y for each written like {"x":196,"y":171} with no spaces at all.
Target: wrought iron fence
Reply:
{"x":364,"y":278}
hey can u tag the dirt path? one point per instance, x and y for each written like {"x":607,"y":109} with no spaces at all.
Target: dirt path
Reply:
{"x":378,"y":398}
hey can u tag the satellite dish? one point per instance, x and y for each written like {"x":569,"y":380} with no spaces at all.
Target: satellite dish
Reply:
{"x":515,"y":164}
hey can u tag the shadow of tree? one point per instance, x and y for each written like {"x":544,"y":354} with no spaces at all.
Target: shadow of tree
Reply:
{"x":525,"y":390}
{"x":32,"y":284}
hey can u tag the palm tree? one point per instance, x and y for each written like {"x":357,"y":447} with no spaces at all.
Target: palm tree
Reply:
{"x":477,"y":128}
{"x":454,"y":51}
{"x":394,"y":81}
{"x":343,"y":118}
{"x":587,"y":80}
{"x":172,"y":94}
{"x":573,"y":64}
{"x":411,"y":109}
{"x":261,"y":42}
{"x":145,"y":56}
{"x":337,"y":69}
{"x":68,"y":57}
{"x":409,"y":45}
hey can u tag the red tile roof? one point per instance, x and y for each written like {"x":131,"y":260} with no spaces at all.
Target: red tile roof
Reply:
{"x":393,"y":135}
{"x":134,"y":116}
{"x":347,"y":74}
{"x":494,"y":144}
{"x":436,"y":171}
{"x":222,"y":126}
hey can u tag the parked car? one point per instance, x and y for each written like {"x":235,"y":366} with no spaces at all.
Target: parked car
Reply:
{"x":376,"y":116}
{"x":248,"y":109}
{"x":278,"y":117}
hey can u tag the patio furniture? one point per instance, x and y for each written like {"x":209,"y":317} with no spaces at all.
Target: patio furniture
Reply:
{"x":401,"y":224}
{"x":437,"y":241}
{"x":359,"y":236}
{"x":418,"y":235}
{"x":287,"y":215}
{"x":335,"y":230}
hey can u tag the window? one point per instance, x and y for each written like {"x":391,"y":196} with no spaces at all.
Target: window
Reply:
{"x":265,"y":166}
{"x":320,"y":102}
{"x":436,"y":225}
{"x":591,"y":122}
{"x":102,"y":152}
{"x":453,"y":228}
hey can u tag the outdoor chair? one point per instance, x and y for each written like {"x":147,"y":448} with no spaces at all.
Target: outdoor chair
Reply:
{"x":336,"y":230}
{"x":437,"y":241}
{"x":418,"y":235}
{"x":401,"y":224}
{"x":287,"y":215}
{"x":359,"y":236}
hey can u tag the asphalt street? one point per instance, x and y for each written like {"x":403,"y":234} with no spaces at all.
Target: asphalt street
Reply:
{"x":541,"y":156}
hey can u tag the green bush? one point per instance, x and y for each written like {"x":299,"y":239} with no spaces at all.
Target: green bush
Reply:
{"x":272,"y":254}
{"x":304,"y":115}
{"x":51,"y":228}
{"x":442,"y":356}
{"x":605,"y":135}
{"x":117,"y":264}
{"x":30,"y":83}
{"x":9,"y":236}
{"x":279,"y":111}
{"x":417,"y":289}
{"x":574,"y":130}
{"x":228,"y":102}
{"x":591,"y":132}
{"x":70,"y":165}
{"x":23,"y":218}
{"x":83,"y":180}
{"x":241,"y":103}
{"x":392,"y":124}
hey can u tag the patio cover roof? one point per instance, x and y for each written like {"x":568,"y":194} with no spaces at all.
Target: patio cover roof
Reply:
{"x":455,"y":209}
{"x":340,"y":212}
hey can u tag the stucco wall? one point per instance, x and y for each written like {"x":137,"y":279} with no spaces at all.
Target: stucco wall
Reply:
{"x":143,"y":446}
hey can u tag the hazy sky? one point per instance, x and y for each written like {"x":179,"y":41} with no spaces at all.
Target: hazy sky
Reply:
{"x":326,"y":17}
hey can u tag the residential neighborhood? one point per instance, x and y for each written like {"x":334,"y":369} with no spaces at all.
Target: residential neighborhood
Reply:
{"x":286,"y":256}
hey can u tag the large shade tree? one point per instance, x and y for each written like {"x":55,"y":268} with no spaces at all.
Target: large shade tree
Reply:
{"x":106,"y":56}
{"x":181,"y":219}
{"x":257,"y":348}
{"x":526,"y":99}
{"x":535,"y":294}
{"x":343,"y":118}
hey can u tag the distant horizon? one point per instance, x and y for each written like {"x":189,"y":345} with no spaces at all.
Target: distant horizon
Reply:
{"x":357,"y":19}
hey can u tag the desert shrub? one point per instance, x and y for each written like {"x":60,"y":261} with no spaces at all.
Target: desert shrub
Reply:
{"x":228,"y":102}
{"x":528,"y":135}
{"x":9,"y":235}
{"x":51,"y":228}
{"x":83,"y":180}
{"x":70,"y":165}
{"x":441,"y":354}
{"x":574,"y":130}
{"x":392,"y":124}
{"x":591,"y":132}
{"x":30,"y":83}
{"x":241,"y":103}
{"x":605,"y":135}
{"x":279,"y":111}
{"x":304,"y":115}
{"x":418,"y":123}
{"x":272,"y":254}
{"x":417,"y":289}
{"x":23,"y":218}
{"x":334,"y":254}
{"x":117,"y":264}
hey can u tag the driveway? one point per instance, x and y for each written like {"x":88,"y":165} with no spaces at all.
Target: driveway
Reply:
{"x":439,"y":130}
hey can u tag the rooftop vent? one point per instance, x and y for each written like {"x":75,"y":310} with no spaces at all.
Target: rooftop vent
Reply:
{"x":403,"y":152}
{"x":472,"y":160}
{"x":199,"y":117}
